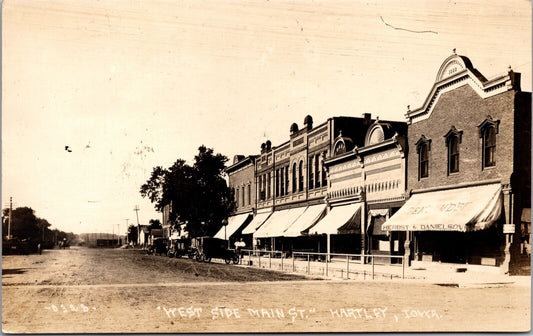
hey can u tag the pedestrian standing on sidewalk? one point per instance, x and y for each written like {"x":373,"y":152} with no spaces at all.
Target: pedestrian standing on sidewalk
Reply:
{"x":238,"y":246}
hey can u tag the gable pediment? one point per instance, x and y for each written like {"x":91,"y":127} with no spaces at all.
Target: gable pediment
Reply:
{"x":455,"y":72}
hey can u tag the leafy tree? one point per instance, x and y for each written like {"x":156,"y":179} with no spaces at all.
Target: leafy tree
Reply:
{"x":197,"y":195}
{"x":132,"y":234}
{"x":23,"y":223}
{"x":155,"y":224}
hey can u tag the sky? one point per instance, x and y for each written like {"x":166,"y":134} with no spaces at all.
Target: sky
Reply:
{"x":130,"y":85}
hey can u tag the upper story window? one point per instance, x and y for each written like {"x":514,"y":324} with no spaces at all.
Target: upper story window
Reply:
{"x":301,"y":176}
{"x":423,"y":146}
{"x":453,"y":139}
{"x":311,"y":171}
{"x":487,"y":132}
{"x":376,"y":135}
{"x":294,"y":177}
{"x":340,"y":148}
{"x":323,"y":170}
{"x":286,"y":181}
{"x":249,"y":194}
{"x":489,"y":147}
{"x":317,"y":174}
{"x":268,"y":185}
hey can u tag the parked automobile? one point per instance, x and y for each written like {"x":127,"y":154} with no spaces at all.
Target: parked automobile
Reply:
{"x":209,"y":247}
{"x":180,"y":247}
{"x":158,"y":246}
{"x":15,"y":246}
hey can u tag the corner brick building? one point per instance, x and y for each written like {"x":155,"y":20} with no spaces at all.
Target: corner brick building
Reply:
{"x":468,"y":172}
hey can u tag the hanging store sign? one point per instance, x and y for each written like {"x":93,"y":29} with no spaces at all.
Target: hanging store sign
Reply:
{"x":508,"y":228}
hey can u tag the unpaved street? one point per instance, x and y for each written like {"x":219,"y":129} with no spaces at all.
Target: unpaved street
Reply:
{"x":125,"y":291}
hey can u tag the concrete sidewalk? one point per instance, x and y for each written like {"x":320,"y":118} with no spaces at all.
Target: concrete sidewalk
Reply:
{"x":445,"y":274}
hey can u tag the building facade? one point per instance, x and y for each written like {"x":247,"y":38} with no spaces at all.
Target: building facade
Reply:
{"x":366,"y":177}
{"x":241,"y":180}
{"x":469,"y":170}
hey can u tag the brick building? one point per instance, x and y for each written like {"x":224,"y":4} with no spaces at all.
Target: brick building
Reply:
{"x":366,"y":175}
{"x":293,"y":194}
{"x":468,"y":172}
{"x":241,"y":180}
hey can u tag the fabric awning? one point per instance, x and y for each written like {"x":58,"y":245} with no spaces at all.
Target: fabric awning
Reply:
{"x":376,"y":225}
{"x":278,"y":222}
{"x":526,"y":215}
{"x":256,"y":222}
{"x":234,"y":223}
{"x":463,"y":209}
{"x":337,"y":217}
{"x":309,"y":218}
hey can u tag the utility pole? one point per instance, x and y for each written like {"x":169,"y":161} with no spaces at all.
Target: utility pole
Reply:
{"x":9,"y":220}
{"x":136,"y":209}
{"x":127,"y":219}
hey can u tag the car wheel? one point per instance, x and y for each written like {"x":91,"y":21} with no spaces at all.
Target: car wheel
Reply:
{"x":199,"y":257}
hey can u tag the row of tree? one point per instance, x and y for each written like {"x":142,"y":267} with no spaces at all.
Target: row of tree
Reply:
{"x":25,"y":225}
{"x":197,"y":195}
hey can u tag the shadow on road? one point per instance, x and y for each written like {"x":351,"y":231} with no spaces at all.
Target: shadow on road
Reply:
{"x":14,"y":271}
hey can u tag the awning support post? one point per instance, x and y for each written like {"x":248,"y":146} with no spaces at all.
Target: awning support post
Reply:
{"x":507,"y":208}
{"x":407,"y":248}
{"x":328,"y":240}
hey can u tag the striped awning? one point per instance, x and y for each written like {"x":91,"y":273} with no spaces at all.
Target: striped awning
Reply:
{"x":462,"y":209}
{"x":309,"y":218}
{"x":234,"y":223}
{"x":337,"y":217}
{"x":256,"y":222}
{"x":278,"y":222}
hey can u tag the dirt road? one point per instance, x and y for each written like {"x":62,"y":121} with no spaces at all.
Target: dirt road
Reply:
{"x":125,"y":291}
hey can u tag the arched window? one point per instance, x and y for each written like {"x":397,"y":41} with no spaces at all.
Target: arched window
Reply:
{"x":277,"y":182}
{"x":423,"y":161}
{"x":340,"y":148}
{"x":376,"y":136}
{"x":317,"y":176}
{"x":489,"y":147}
{"x":324,"y":174}
{"x":294,"y":176}
{"x":453,"y":139}
{"x":311,"y":172}
{"x":301,"y":176}
{"x":286,"y":180}
{"x":423,"y":146}
{"x":268,"y":185}
{"x":453,"y":154}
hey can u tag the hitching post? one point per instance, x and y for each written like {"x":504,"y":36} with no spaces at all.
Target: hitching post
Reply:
{"x":347,"y":267}
{"x":372,"y":267}
{"x":293,"y":261}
